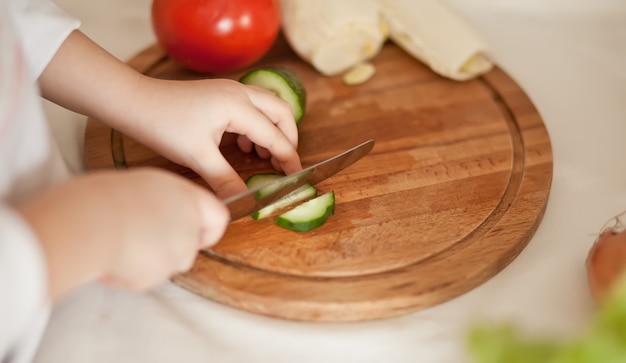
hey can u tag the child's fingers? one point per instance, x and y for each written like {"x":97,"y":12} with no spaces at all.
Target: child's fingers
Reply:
{"x":262,"y":152}
{"x":277,"y":111}
{"x":214,"y":218}
{"x":276,"y":164}
{"x":262,"y":131}
{"x":218,"y":173}
{"x":244,"y":144}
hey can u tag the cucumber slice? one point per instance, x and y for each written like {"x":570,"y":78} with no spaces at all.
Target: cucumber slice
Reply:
{"x":259,"y":180}
{"x":302,"y":193}
{"x":284,"y":83}
{"x":309,"y":215}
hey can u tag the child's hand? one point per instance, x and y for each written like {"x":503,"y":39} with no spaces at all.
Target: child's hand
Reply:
{"x":182,"y":120}
{"x":185,"y":122}
{"x":167,"y":220}
{"x":131,"y":229}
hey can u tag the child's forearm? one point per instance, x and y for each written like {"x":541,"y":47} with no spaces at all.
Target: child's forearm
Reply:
{"x":75,"y":225}
{"x":86,"y":79}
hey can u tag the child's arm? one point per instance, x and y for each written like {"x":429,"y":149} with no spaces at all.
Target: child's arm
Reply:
{"x":183,"y":120}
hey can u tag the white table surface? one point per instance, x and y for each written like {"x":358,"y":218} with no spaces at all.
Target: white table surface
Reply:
{"x":570,"y":58}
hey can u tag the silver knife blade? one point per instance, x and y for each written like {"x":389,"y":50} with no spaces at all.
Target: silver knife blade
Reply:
{"x":248,"y":202}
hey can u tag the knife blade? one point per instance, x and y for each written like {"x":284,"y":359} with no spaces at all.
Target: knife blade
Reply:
{"x":248,"y":202}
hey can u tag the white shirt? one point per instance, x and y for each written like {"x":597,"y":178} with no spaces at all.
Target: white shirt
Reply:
{"x":30,"y":34}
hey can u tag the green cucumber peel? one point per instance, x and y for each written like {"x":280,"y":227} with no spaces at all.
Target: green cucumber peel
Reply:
{"x":302,"y":193}
{"x":283,"y":83}
{"x":308,"y":215}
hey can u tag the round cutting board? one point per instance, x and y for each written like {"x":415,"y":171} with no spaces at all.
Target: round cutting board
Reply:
{"x":453,"y":190}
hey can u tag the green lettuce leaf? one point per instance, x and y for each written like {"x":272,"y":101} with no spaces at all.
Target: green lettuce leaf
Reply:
{"x":604,"y":340}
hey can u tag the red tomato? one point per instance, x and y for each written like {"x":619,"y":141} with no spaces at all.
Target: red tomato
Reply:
{"x":214,"y":36}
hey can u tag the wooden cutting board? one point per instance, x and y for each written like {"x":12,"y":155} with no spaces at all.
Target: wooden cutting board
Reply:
{"x":453,"y":190}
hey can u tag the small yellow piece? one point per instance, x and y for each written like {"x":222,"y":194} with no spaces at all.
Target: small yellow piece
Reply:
{"x":476,"y":64}
{"x":358,"y":74}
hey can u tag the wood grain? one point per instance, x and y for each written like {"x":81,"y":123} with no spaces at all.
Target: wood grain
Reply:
{"x":454,"y":189}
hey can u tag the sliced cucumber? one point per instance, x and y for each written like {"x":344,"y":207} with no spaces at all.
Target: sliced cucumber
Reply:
{"x":259,"y":180}
{"x":306,"y":191}
{"x":284,"y":83}
{"x":310,"y":214}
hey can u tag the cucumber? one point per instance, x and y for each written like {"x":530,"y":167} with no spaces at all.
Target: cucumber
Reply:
{"x":284,"y":83}
{"x":309,"y":215}
{"x":302,"y":193}
{"x":258,"y":180}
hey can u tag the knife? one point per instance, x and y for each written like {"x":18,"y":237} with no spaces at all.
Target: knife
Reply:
{"x":248,"y":202}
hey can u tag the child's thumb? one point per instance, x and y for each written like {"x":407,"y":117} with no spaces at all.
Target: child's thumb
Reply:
{"x":214,"y":218}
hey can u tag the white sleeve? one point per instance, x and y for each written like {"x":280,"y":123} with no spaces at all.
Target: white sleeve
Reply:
{"x":43,"y":26}
{"x":24,"y":151}
{"x":23,"y":283}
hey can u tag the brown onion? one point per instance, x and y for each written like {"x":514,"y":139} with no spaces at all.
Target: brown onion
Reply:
{"x":606,"y":260}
